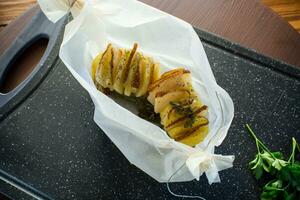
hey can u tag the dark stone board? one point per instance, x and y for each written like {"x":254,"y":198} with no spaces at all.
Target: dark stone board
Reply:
{"x":50,"y":143}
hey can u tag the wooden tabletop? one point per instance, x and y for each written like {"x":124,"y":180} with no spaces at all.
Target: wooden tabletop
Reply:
{"x":248,"y":23}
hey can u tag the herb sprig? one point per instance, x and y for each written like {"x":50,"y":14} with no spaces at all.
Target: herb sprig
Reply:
{"x":146,"y":111}
{"x":186,"y":111}
{"x":285,"y":173}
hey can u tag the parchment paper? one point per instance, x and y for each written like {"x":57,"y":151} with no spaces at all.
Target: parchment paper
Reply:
{"x":173,"y":43}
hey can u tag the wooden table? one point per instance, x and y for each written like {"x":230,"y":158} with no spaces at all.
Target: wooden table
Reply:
{"x":248,"y":23}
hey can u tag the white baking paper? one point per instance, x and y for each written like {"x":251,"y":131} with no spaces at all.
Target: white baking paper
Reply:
{"x":173,"y":43}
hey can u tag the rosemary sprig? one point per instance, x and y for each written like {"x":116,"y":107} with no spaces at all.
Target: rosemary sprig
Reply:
{"x":186,"y":111}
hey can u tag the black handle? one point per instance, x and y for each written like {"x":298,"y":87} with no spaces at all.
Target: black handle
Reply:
{"x":39,"y":27}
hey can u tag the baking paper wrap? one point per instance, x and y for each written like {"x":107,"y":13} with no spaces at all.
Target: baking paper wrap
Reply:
{"x":173,"y":43}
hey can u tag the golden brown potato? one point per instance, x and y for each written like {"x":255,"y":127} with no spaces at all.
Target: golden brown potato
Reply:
{"x":131,"y":75}
{"x":104,"y":69}
{"x":145,"y":75}
{"x":125,"y":71}
{"x":174,"y":80}
{"x":182,"y":113}
{"x":129,"y":72}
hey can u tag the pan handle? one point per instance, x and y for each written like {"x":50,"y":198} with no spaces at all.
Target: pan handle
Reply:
{"x":39,"y":30}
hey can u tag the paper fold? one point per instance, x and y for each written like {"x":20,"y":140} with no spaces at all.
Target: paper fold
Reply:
{"x":208,"y":163}
{"x":173,"y":43}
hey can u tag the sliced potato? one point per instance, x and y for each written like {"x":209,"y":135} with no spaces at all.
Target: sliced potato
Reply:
{"x":136,"y":79}
{"x":98,"y":63}
{"x":105,"y":78}
{"x":156,"y":72}
{"x":199,"y":120}
{"x":95,"y":65}
{"x":166,"y":113}
{"x":167,"y":75}
{"x":177,"y":95}
{"x":182,"y":131}
{"x":99,"y":87}
{"x":131,"y":75}
{"x":173,"y":71}
{"x":123,"y":69}
{"x":118,"y":85}
{"x":151,"y":69}
{"x":196,"y":137}
{"x":169,"y":83}
{"x":144,"y":79}
{"x":117,"y":56}
{"x":177,"y":132}
{"x":128,"y":63}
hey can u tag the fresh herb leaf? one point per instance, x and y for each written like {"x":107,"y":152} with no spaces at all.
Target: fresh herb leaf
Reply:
{"x":257,"y":166}
{"x":185,"y":111}
{"x":290,"y":196}
{"x":144,"y":107}
{"x":190,"y":121}
{"x":286,"y":173}
{"x":272,"y":190}
{"x":278,"y":164}
{"x":146,"y":111}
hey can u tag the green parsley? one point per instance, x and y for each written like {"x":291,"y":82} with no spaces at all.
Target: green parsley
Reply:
{"x":285,"y":183}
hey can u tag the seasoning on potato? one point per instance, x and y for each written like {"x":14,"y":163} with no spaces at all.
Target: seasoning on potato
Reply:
{"x":131,"y":73}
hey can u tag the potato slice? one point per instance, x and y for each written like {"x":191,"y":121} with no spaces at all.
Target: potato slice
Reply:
{"x":176,"y":132}
{"x":131,"y":75}
{"x":117,"y":55}
{"x":136,"y":79}
{"x":161,"y":102}
{"x":173,"y":71}
{"x":98,"y":64}
{"x":168,"y":114}
{"x":179,"y":132}
{"x":174,"y":120}
{"x":104,"y":73}
{"x":183,"y":132}
{"x":118,"y":85}
{"x":128,"y":64}
{"x":95,"y":65}
{"x":123,"y":69}
{"x":144,"y":78}
{"x":151,"y":62}
{"x":99,"y":87}
{"x":168,"y":74}
{"x":168,"y":83}
{"x":156,"y":72}
{"x":196,"y":137}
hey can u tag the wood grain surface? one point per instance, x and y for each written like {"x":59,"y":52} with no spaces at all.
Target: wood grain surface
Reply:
{"x":11,"y":9}
{"x":288,"y":9}
{"x":11,"y":31}
{"x":248,"y":23}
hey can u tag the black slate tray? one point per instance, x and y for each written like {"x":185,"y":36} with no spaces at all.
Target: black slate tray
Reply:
{"x":51,"y":148}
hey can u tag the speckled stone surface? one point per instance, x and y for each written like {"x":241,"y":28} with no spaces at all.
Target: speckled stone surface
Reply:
{"x":10,"y":191}
{"x":51,"y":142}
